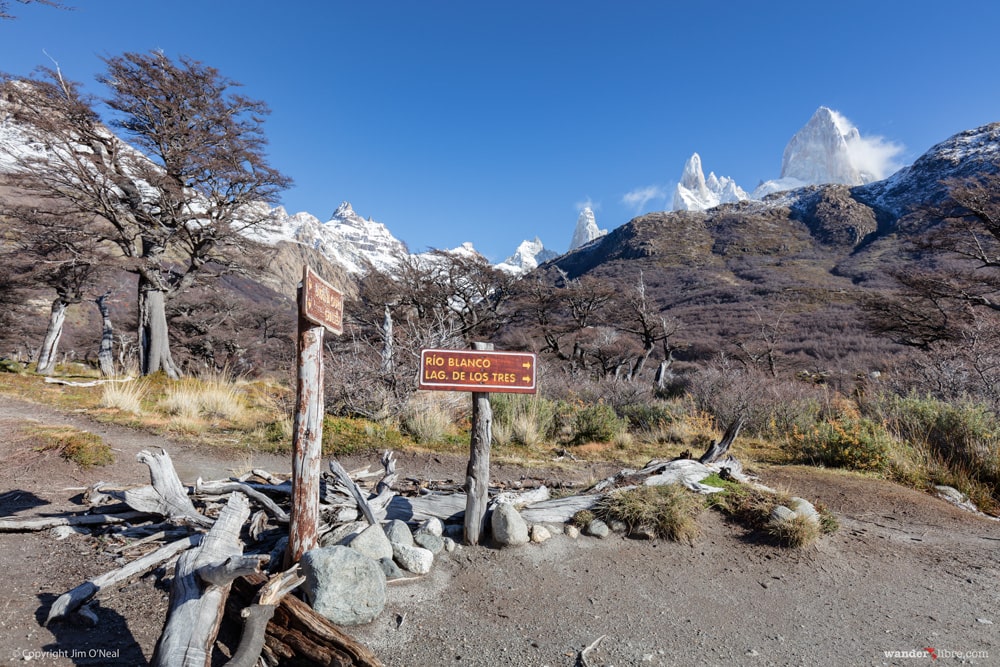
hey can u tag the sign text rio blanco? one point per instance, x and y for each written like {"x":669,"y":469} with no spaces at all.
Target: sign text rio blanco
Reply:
{"x":475,"y":370}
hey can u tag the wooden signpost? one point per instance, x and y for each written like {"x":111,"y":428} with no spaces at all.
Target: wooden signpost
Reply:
{"x":477,"y":370}
{"x":321,"y":306}
{"x":481,"y":371}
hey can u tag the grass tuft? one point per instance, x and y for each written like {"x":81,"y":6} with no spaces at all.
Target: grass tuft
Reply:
{"x":797,"y":532}
{"x":669,"y":510}
{"x":124,"y":396}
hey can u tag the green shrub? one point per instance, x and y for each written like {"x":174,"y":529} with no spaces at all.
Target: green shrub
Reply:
{"x":348,"y":435}
{"x":81,"y":447}
{"x":957,"y":444}
{"x":669,"y":510}
{"x":855,"y":443}
{"x":597,"y":423}
{"x":582,"y":518}
{"x":650,"y":418}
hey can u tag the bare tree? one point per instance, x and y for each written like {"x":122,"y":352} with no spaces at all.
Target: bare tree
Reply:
{"x":5,"y":12}
{"x":761,"y":348}
{"x":948,"y":298}
{"x":181,"y":203}
{"x":638,"y":315}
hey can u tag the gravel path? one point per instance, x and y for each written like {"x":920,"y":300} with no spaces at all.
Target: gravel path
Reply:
{"x":906,"y":573}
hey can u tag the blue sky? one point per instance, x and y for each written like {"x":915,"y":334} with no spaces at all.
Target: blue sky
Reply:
{"x":495,"y":122}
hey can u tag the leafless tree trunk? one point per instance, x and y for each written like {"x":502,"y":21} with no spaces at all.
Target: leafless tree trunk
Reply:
{"x":105,"y":356}
{"x":154,"y":342}
{"x":47,"y":353}
{"x":387,"y":343}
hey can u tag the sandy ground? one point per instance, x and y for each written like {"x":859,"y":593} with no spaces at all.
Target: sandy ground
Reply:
{"x":906,"y":577}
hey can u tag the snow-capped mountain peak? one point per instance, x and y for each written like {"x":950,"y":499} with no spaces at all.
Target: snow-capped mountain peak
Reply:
{"x":586,"y":229}
{"x":820,"y":153}
{"x":694,"y":192}
{"x":527,"y":257}
{"x":827,"y":149}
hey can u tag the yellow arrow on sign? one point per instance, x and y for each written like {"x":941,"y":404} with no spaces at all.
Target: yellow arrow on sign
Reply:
{"x":526,"y":364}
{"x":526,"y":378}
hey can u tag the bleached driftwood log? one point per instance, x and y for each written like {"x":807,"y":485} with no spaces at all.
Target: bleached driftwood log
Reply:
{"x":200,"y":587}
{"x":167,"y":496}
{"x":383,"y":490}
{"x":221,"y":487}
{"x":70,"y":601}
{"x":352,"y":487}
{"x":44,"y":523}
{"x":521,"y":498}
{"x":451,"y":508}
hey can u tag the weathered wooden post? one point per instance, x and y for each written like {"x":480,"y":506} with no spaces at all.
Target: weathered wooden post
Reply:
{"x":477,"y":474}
{"x":481,"y":371}
{"x":320,"y":307}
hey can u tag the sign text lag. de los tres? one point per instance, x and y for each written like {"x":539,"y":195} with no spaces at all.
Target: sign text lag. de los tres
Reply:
{"x":476,"y":370}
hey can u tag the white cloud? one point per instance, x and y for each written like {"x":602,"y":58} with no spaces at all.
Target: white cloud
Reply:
{"x":587,"y":203}
{"x":639,"y":197}
{"x":872,"y":155}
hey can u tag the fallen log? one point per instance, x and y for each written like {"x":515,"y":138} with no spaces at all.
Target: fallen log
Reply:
{"x":202,"y":579}
{"x":444,"y":506}
{"x":557,"y":510}
{"x":345,"y":479}
{"x":297,"y":635}
{"x":222,"y":487}
{"x":70,"y":601}
{"x":44,"y":523}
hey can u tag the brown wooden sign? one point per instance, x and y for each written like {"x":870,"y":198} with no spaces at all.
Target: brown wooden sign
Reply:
{"x":322,"y":303}
{"x":474,"y":370}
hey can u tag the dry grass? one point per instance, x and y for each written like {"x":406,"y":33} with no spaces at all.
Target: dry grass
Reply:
{"x":428,"y":417}
{"x":211,"y":399}
{"x":670,"y":510}
{"x":124,"y":396}
{"x":797,"y":532}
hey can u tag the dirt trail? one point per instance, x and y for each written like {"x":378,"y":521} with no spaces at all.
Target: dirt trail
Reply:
{"x":906,"y":572}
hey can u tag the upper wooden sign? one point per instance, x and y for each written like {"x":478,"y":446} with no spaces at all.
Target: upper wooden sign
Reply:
{"x":322,"y":303}
{"x":476,"y":370}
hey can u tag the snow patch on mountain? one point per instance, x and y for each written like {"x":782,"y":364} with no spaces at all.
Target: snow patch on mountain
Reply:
{"x":586,"y":229}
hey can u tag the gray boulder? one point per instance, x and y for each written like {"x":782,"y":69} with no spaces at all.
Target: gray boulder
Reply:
{"x":509,"y":529}
{"x":399,"y":533}
{"x":433,"y":543}
{"x":413,"y":559}
{"x":391,"y":570}
{"x":597,"y":528}
{"x":432,"y":526}
{"x":372,"y":542}
{"x":343,"y":585}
